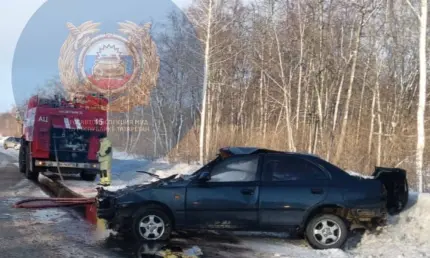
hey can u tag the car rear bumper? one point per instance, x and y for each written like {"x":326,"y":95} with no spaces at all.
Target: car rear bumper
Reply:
{"x":370,"y":213}
{"x":375,"y":216}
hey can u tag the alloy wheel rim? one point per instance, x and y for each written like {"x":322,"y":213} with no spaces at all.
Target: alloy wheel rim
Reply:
{"x":327,"y":232}
{"x":151,"y":227}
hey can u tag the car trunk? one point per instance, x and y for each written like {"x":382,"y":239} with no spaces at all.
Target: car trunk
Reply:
{"x":396,"y":184}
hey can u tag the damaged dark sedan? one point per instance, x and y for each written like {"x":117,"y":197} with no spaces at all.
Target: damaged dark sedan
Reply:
{"x":258,"y":190}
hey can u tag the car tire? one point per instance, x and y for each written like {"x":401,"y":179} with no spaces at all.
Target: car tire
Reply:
{"x":157,"y":225}
{"x":325,"y":231}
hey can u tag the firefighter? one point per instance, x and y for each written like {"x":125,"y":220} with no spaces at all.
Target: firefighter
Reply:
{"x":105,"y":159}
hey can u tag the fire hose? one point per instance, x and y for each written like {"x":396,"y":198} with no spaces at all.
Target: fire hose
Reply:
{"x":40,"y":203}
{"x":43,"y":203}
{"x":56,"y":159}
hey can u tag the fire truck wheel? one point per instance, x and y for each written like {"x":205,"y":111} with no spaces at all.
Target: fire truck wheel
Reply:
{"x":22,"y":159}
{"x":32,"y":175}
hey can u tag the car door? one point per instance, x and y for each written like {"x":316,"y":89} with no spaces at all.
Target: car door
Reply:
{"x":229,"y":199}
{"x":290,"y":186}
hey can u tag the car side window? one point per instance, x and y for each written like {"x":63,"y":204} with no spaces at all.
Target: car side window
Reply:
{"x":236,"y":169}
{"x":279,"y":169}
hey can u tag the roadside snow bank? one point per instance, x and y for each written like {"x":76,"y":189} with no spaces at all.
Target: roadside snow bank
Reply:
{"x":406,"y":235}
{"x":122,"y":155}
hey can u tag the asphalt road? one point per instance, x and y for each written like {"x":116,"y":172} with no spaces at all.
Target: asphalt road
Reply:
{"x":40,"y":233}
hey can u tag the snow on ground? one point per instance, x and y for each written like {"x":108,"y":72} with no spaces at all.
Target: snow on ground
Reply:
{"x":10,"y":152}
{"x":407,"y":234}
{"x":270,"y":248}
{"x":50,"y":216}
{"x":25,"y":188}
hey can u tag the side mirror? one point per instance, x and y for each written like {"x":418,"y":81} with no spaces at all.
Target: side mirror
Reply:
{"x":204,"y":176}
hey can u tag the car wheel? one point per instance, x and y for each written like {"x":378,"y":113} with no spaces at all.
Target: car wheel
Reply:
{"x":326,"y":231}
{"x":152,"y":224}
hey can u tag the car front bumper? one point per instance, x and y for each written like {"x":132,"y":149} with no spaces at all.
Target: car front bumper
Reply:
{"x":116,"y":214}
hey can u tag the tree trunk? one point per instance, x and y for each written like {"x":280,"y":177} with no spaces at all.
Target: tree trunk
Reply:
{"x":360,"y":109}
{"x":422,"y":96}
{"x":379,"y":111}
{"x":299,"y":86}
{"x":205,"y":84}
{"x":209,"y":118}
{"x":372,"y":125}
{"x":348,"y":98}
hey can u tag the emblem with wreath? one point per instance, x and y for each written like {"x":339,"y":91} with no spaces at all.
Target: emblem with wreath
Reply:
{"x":136,"y":92}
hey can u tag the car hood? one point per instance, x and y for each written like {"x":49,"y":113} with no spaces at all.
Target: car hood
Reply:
{"x":174,"y":183}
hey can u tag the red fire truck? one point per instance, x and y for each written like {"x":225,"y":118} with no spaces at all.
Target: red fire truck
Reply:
{"x":61,"y":136}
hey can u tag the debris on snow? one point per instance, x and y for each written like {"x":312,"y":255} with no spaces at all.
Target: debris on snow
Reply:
{"x":193,"y":251}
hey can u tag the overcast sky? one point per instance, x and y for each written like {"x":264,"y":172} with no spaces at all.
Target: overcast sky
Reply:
{"x":14,"y":15}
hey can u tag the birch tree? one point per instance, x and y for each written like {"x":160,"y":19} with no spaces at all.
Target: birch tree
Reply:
{"x":207,"y":17}
{"x":202,"y":15}
{"x":348,"y":98}
{"x":422,"y":17}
